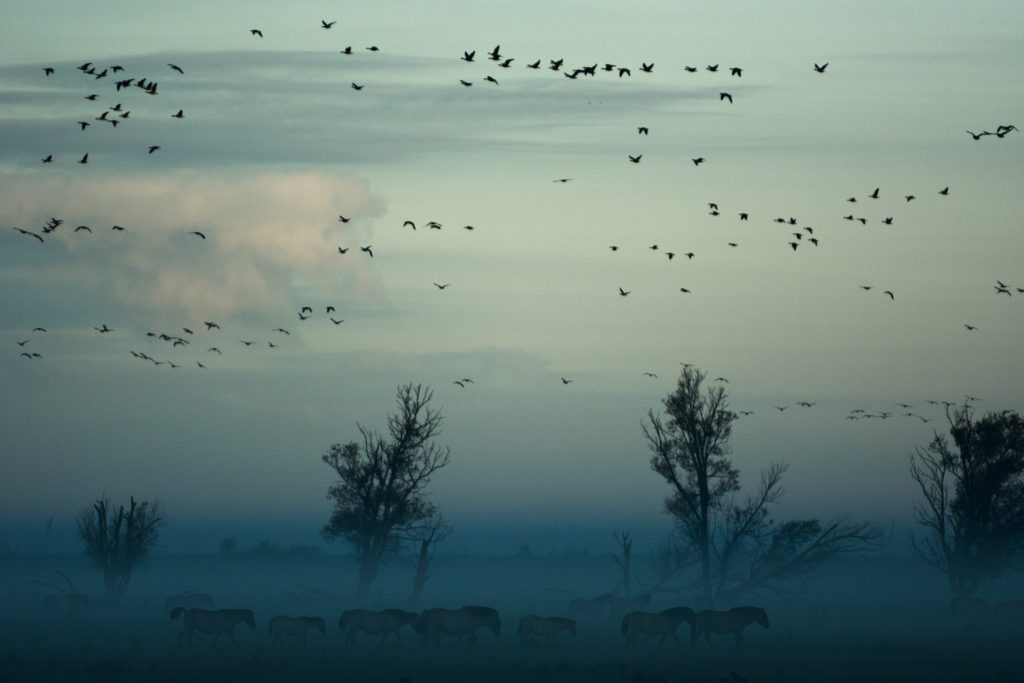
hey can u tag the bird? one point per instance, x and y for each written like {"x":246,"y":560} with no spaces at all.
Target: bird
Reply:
{"x":623,"y":71}
{"x":368,"y":249}
{"x":327,"y":24}
{"x":343,"y":219}
{"x":566,"y":381}
{"x":410,"y":224}
{"x":734,"y":244}
{"x":684,"y":290}
{"x":48,"y":159}
{"x":614,"y":247}
{"x":281,"y":330}
{"x":30,"y":233}
{"x":650,"y":374}
{"x":944,"y":191}
{"x":978,"y":136}
{"x":104,"y":329}
{"x":91,"y":97}
{"x":720,"y":379}
{"x":176,"y":68}
{"x":735,"y":71}
{"x":356,"y":86}
{"x":256,"y":32}
{"x":643,"y":130}
{"x":210,"y":325}
{"x":910,"y":197}
{"x":698,"y":161}
{"x":347,"y":50}
{"x":889,"y":294}
{"x":970,"y":327}
{"x":689,"y":254}
{"x":712,"y":67}
{"x":83,"y":227}
{"x":306,"y":309}
{"x":623,"y":292}
{"x":468,"y":56}
{"x":329,"y":310}
{"x":84,"y":124}
{"x":505,"y":64}
{"x":84,"y":159}
{"x":336,"y":322}
{"x":465,"y":83}
{"x":434,"y":225}
{"x":744,"y":216}
{"x":197,"y":233}
{"x":794,"y":245}
{"x":647,"y":68}
{"x":444,"y":286}
{"x":343,"y":250}
{"x":635,"y":159}
{"x":561,"y":180}
{"x":491,"y":79}
{"x":495,"y":54}
{"x":820,"y":68}
{"x":179,"y":115}
{"x":153,"y":148}
{"x":48,"y":70}
{"x":887,"y":220}
{"x":874,"y":195}
{"x":724,"y":96}
{"x":460,"y":383}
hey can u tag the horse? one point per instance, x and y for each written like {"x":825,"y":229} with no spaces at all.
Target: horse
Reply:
{"x":545,"y":627}
{"x":664,"y":624}
{"x":281,"y":626}
{"x":621,"y":606}
{"x":732,"y":621}
{"x":462,"y":622}
{"x":382,"y":623}
{"x":218,"y":622}
{"x":69,"y":603}
{"x":188,"y":600}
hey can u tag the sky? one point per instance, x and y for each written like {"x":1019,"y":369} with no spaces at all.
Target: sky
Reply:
{"x":275,"y":144}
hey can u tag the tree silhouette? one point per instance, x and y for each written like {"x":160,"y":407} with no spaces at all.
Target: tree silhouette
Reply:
{"x":379,"y":498}
{"x":119,"y":541}
{"x":973,"y":497}
{"x":738,"y":547}
{"x":433,"y":531}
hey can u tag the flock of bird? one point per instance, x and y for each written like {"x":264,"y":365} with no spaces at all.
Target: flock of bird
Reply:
{"x":799,"y":235}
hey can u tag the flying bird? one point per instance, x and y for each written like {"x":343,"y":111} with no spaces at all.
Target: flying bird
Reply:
{"x":153,"y":148}
{"x":356,"y":86}
{"x":468,"y":56}
{"x":820,"y":68}
{"x":256,"y":32}
{"x":698,"y":161}
{"x":890,"y":294}
{"x":48,"y":159}
{"x":368,"y":249}
{"x":84,"y":159}
{"x":197,"y":234}
{"x":712,"y":67}
{"x":343,"y":219}
{"x":635,"y":159}
{"x":444,"y":286}
{"x":647,"y":68}
{"x":179,"y":115}
{"x":343,"y":250}
{"x":176,"y":68}
{"x":30,"y":233}
{"x":643,"y":130}
{"x":327,"y":24}
{"x":566,"y":381}
{"x":724,"y":96}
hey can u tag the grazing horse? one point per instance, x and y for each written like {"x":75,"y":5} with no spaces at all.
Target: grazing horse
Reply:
{"x":545,"y":627}
{"x":188,"y":600}
{"x":281,"y":626}
{"x":382,"y":623}
{"x":664,"y":624}
{"x":462,"y":622}
{"x":218,"y":622}
{"x":733,"y":621}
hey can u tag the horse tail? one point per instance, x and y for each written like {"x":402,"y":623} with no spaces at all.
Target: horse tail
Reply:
{"x":176,"y":612}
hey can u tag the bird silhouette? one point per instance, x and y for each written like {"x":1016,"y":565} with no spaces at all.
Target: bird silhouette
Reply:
{"x":444,"y":286}
{"x":343,"y":219}
{"x":327,"y":24}
{"x":465,"y":83}
{"x":30,"y":234}
{"x":533,"y":65}
{"x":176,"y":68}
{"x":410,"y":224}
{"x":153,"y":148}
{"x":712,"y":67}
{"x":179,"y":115}
{"x":336,"y":322}
{"x":491,"y":79}
{"x":635,"y":159}
{"x":468,"y":56}
{"x":623,"y":292}
{"x":566,"y":381}
{"x":684,"y":290}
{"x":342,"y":250}
{"x":356,"y":86}
{"x":48,"y":159}
{"x":83,"y":227}
{"x":368,"y":249}
{"x":643,"y":130}
{"x":698,"y":161}
{"x":104,"y":329}
{"x":889,"y":294}
{"x":944,"y":191}
{"x":647,"y":68}
{"x":978,"y":136}
{"x":346,"y":51}
{"x":874,"y":195}
{"x":197,"y":234}
{"x":495,"y":54}
{"x":84,"y":159}
{"x":256,"y":32}
{"x":735,"y":71}
{"x":820,"y":68}
{"x":724,"y":96}
{"x":210,"y":325}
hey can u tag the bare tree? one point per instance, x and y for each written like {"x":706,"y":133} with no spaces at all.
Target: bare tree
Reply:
{"x":379,"y":498}
{"x":736,"y":543}
{"x":119,"y":541}
{"x":972,"y":490}
{"x":435,"y":531}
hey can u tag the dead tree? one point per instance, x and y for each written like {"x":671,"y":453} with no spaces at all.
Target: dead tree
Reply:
{"x":624,"y":559}
{"x":434,"y":532}
{"x":119,"y":541}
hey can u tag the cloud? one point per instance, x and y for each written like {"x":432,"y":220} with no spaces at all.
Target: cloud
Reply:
{"x":265,"y":235}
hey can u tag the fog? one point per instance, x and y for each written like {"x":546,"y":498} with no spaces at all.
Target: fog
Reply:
{"x":875,"y":618}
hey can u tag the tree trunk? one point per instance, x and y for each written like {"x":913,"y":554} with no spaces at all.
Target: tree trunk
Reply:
{"x":368,"y":565}
{"x":422,"y":565}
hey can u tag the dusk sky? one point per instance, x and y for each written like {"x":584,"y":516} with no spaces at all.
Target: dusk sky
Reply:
{"x":274,"y":143}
